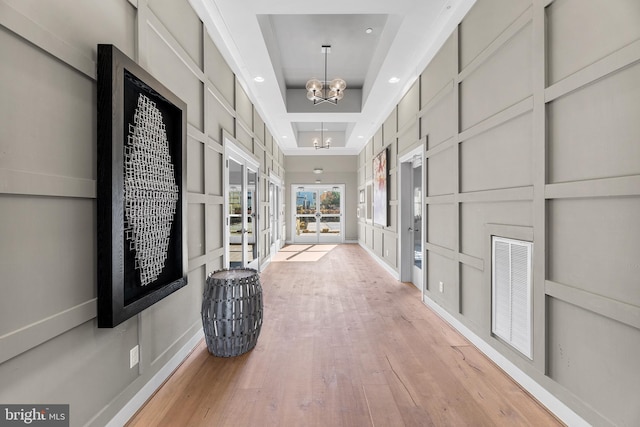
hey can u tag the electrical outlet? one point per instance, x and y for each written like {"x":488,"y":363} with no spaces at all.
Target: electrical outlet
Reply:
{"x":134,"y":356}
{"x":441,"y":286}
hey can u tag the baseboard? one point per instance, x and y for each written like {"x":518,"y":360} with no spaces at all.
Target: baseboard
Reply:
{"x":386,"y":266}
{"x":552,"y":403}
{"x":140,"y":398}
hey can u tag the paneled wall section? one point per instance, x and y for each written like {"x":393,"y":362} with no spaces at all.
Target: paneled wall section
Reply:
{"x":47,"y":195}
{"x":528,"y":119}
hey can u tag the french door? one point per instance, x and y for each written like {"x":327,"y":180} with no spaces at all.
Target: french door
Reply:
{"x":318,"y":215}
{"x":241,"y":208}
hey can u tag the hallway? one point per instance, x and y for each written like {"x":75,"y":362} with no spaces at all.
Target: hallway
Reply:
{"x":343,"y":344}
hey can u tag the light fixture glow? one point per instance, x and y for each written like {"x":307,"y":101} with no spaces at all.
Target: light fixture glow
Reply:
{"x":334,"y":90}
{"x":369,"y":30}
{"x":317,"y":171}
{"x":394,"y":80}
{"x":258,"y":79}
{"x":321,"y":142}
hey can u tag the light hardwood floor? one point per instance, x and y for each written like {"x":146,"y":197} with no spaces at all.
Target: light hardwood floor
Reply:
{"x":343,"y":344}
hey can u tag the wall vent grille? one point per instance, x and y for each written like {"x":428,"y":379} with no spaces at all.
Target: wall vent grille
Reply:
{"x":511,"y":292}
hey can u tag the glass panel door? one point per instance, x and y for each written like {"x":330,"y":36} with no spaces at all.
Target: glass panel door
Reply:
{"x":274,"y":215}
{"x":251,"y":248}
{"x":241,"y":198}
{"x":330,"y":219}
{"x":417,"y":222}
{"x":306,"y":220}
{"x":318,"y":214}
{"x":236,"y":208}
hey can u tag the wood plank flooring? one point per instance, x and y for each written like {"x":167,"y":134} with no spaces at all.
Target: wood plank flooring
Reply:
{"x":343,"y":344}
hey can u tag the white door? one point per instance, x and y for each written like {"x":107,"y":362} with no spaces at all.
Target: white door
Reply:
{"x":318,"y":213}
{"x":275,"y":217}
{"x":412,"y":233}
{"x":241,"y":207}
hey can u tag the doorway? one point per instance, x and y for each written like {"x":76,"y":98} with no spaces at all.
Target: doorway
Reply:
{"x":412,"y":225}
{"x":275,"y":213}
{"x":241,"y":206}
{"x":318,"y":213}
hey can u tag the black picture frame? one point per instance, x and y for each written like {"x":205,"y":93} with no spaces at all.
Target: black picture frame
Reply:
{"x":131,"y":273}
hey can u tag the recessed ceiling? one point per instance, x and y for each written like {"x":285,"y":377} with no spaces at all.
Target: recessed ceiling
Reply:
{"x":281,"y":42}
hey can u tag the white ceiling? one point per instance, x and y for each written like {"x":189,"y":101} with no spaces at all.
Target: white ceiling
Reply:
{"x":281,"y":40}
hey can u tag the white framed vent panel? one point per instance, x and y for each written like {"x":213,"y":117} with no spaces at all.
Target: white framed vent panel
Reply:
{"x":511,"y":292}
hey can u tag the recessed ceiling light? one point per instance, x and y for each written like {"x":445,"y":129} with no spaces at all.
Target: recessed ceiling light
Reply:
{"x":369,"y":30}
{"x":394,"y":80}
{"x":284,"y":136}
{"x":258,"y":79}
{"x":360,"y":136}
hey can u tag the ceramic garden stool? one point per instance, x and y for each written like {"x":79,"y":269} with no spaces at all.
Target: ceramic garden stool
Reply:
{"x":232,"y":311}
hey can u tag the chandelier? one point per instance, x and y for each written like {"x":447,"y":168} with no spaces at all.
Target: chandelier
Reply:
{"x":325,"y":91}
{"x":321,"y":142}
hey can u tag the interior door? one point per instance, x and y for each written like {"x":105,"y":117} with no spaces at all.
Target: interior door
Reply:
{"x":318,"y":214}
{"x":412,"y":227}
{"x":274,"y":216}
{"x":241,"y":196}
{"x":416,"y":211}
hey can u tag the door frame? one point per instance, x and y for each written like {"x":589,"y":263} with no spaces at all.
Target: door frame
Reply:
{"x":232,"y":150}
{"x":294,"y":189}
{"x":405,"y":217}
{"x":277,"y":209}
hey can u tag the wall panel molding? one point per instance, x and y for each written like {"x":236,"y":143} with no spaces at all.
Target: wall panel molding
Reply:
{"x":501,"y":40}
{"x":602,"y":187}
{"x":628,"y":314}
{"x":37,"y":184}
{"x":616,"y":61}
{"x":440,"y":250}
{"x":29,"y":336}
{"x":503,"y":116}
{"x":471,"y":261}
{"x":45,"y":40}
{"x":159,"y":28}
{"x":498,"y":195}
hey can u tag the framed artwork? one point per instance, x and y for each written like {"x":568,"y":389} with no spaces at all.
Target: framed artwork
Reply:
{"x":380,"y":201}
{"x":142,"y":253}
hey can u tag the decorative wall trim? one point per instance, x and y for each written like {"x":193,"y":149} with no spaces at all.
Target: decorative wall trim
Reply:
{"x":504,"y":194}
{"x":444,"y":145}
{"x":213,"y":90}
{"x":435,"y":99}
{"x":199,"y":198}
{"x":158,"y":27}
{"x":441,"y":199}
{"x":604,"y":187}
{"x":500,"y":41}
{"x":619,"y":59}
{"x":617,"y":310}
{"x":471,"y":261}
{"x":201,"y":260}
{"x":500,"y":118}
{"x":46,"y":40}
{"x":27,"y":337}
{"x":440,"y":250}
{"x":37,"y":184}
